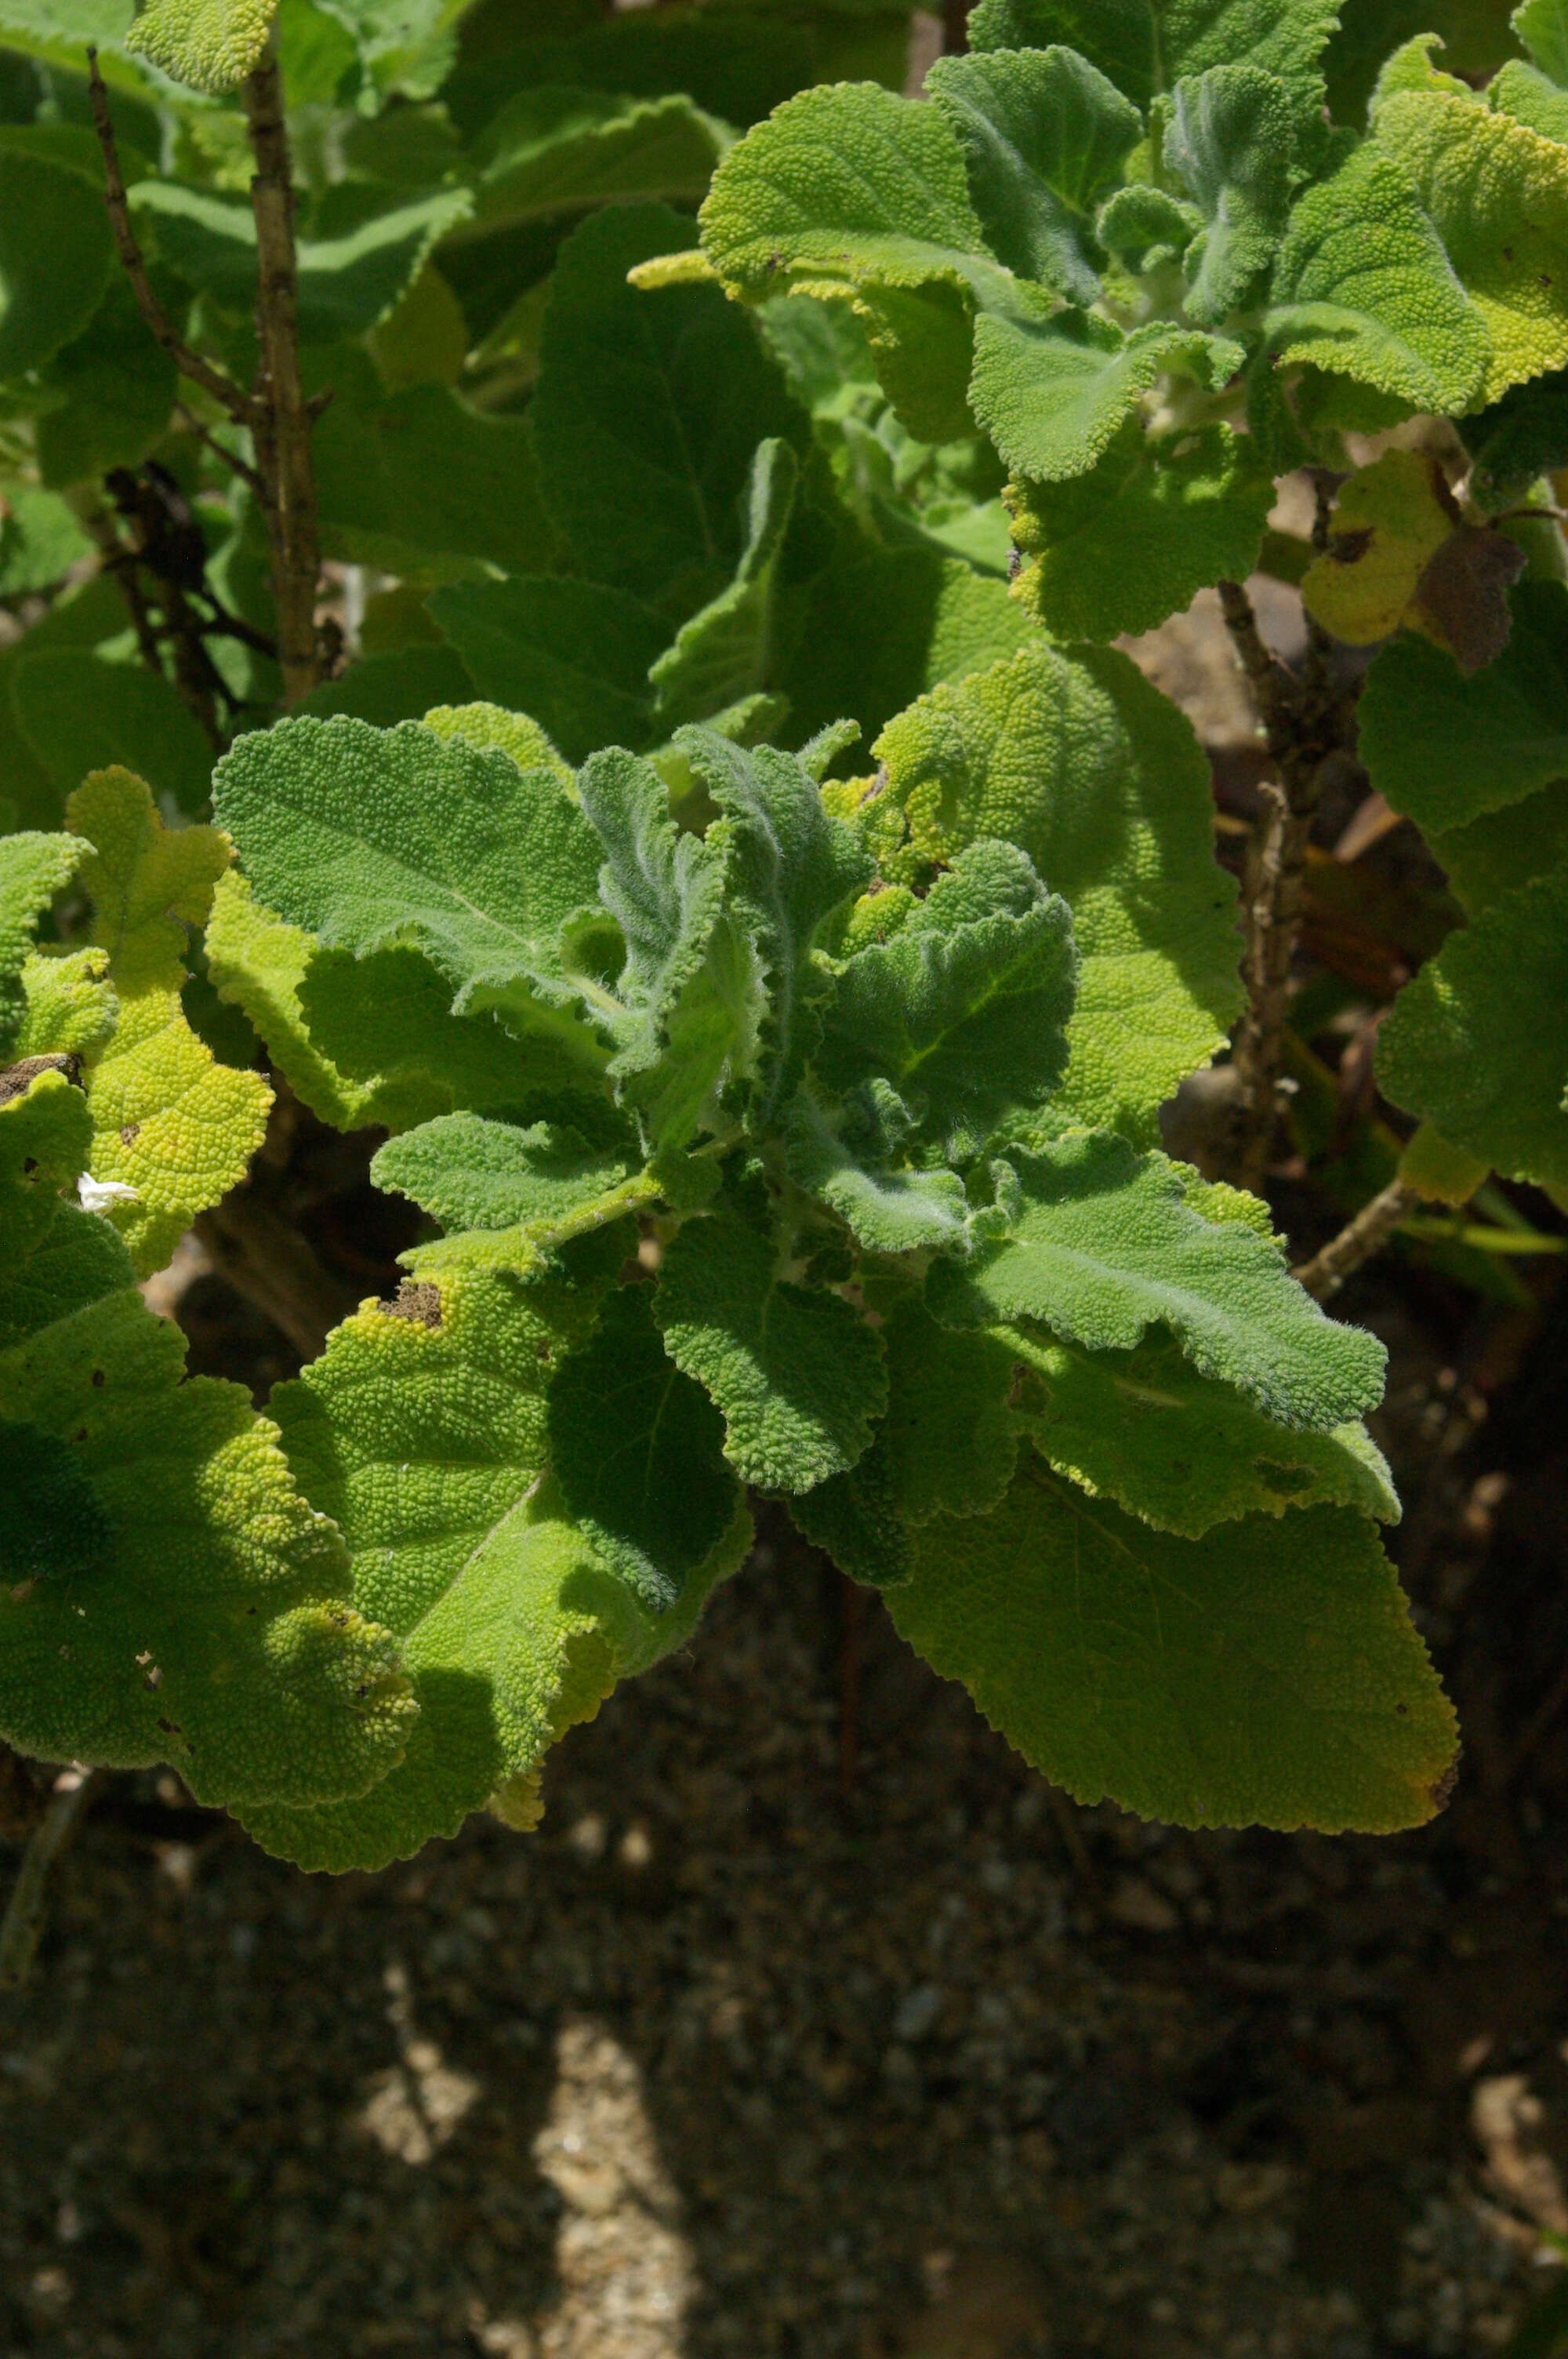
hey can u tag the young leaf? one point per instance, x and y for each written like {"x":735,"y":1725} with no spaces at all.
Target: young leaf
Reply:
{"x":855,"y":196}
{"x":1045,"y":136}
{"x":575,"y":654}
{"x":1470,"y":1045}
{"x":1446,"y":749}
{"x":647,"y":413}
{"x":797,"y":1374}
{"x":172,"y":1128}
{"x":1090,"y":771}
{"x":845,"y":1157}
{"x":1155,"y":521}
{"x":1498,"y":196}
{"x":1145,"y":46}
{"x":1178,"y":1449}
{"x":1363,"y":289}
{"x":1265,"y":1674}
{"x":424,"y":1431}
{"x":1054,"y":394}
{"x":33,"y":869}
{"x":1104,"y":1246}
{"x":1229,"y":145}
{"x":214,"y":1581}
{"x":211,"y":45}
{"x":1530,"y":98}
{"x":965,"y":1011}
{"x":473,"y":1174}
{"x":372,"y":838}
{"x":793,"y":865}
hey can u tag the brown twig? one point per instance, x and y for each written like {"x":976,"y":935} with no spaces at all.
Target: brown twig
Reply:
{"x":23,"y":1923}
{"x":1359,"y":1239}
{"x":1303,"y":728}
{"x":283,"y":441}
{"x":190,"y":362}
{"x":230,"y":459}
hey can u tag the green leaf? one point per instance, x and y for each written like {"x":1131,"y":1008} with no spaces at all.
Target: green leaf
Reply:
{"x":1531,"y":99}
{"x":171,"y":1128}
{"x":40,"y":540}
{"x":552,"y":150}
{"x":1229,"y":145}
{"x":1445,"y":747}
{"x":1499,"y":195}
{"x":1267,"y":1673}
{"x":690,"y":997}
{"x":1470,"y":1045}
{"x":1155,"y":521}
{"x":424,"y":477}
{"x":937,"y":619}
{"x":111,"y":390}
{"x":965,"y":1011}
{"x":1516,"y":439}
{"x":1543,"y":26}
{"x":514,"y":733}
{"x":217,"y":1580}
{"x":78,"y":713}
{"x":473,"y":1174}
{"x":648,"y":411}
{"x":1045,"y":136}
{"x":725,"y":653}
{"x":846,"y":1158}
{"x":56,"y":255}
{"x":1104,"y":1246}
{"x":949,"y":1438}
{"x":1178,"y":1449}
{"x":346,"y":284}
{"x":1507,"y":848}
{"x":855,"y":196}
{"x":207,"y":44}
{"x":576,"y":655}
{"x":372,"y":838}
{"x":424,"y":1431}
{"x":797,"y":1374}
{"x":793,"y":865}
{"x":1363,"y":289}
{"x":1054,"y":394}
{"x":638,"y":1449}
{"x":33,"y":869}
{"x":1146,"y":46}
{"x":54,"y":1525}
{"x":402,"y":685}
{"x":1095,"y":774}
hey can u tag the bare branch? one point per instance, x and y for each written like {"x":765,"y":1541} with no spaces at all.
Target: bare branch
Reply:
{"x":24,"y":1919}
{"x":190,"y":362}
{"x":230,"y":459}
{"x":283,"y":442}
{"x":1356,"y":1243}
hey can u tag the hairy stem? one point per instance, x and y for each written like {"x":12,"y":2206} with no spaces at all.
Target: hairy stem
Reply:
{"x":1356,"y":1243}
{"x":23,"y":1923}
{"x":1302,"y":727}
{"x":283,"y":441}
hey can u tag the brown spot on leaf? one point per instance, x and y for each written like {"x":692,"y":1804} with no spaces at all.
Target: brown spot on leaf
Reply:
{"x":1462,"y":596}
{"x":1350,"y":547}
{"x":17,"y":1078}
{"x":129,"y":1132}
{"x":99,"y":1380}
{"x":415,"y":1299}
{"x":1443,"y":1791}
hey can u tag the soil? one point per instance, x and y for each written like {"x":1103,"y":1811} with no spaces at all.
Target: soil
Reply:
{"x":811,"y":2025}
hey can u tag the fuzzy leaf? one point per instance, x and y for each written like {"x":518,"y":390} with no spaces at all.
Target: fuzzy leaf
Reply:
{"x":473,"y":1174}
{"x":648,"y":411}
{"x":56,"y":255}
{"x":1516,"y":439}
{"x":1178,"y":1449}
{"x":725,"y":652}
{"x":374,"y":838}
{"x":965,"y":1011}
{"x":40,"y":540}
{"x":1530,"y":98}
{"x":574,"y":654}
{"x":1499,"y":195}
{"x":1098,"y":778}
{"x":793,"y":865}
{"x":1155,"y":521}
{"x":421,"y":481}
{"x":1363,"y":289}
{"x":1045,"y":136}
{"x":208,"y":44}
{"x":1145,"y":46}
{"x":552,"y":150}
{"x":1267,"y":1673}
{"x":1444,"y":748}
{"x":78,"y":713}
{"x":797,"y":1374}
{"x":1104,"y":1245}
{"x":638,"y":1449}
{"x":937,"y":619}
{"x":1054,"y":395}
{"x":1229,"y":145}
{"x":842,"y":1156}
{"x":1472,"y":1044}
{"x":1543,"y":26}
{"x":33,"y":868}
{"x":214,"y":1580}
{"x":424,"y":1431}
